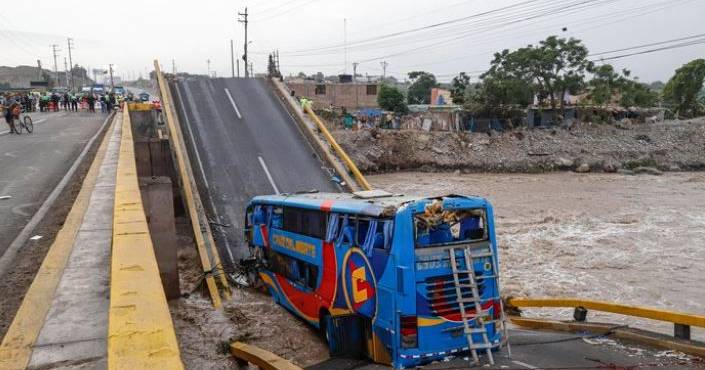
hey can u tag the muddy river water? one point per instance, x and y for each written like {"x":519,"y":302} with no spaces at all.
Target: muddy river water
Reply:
{"x":630,"y":239}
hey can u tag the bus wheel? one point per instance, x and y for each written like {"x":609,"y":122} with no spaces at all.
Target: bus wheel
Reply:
{"x":326,"y":326}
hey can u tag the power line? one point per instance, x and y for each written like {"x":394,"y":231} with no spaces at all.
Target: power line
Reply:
{"x":275,"y":15}
{"x":676,"y":46}
{"x":649,"y":44}
{"x":417,"y":29}
{"x":612,"y":17}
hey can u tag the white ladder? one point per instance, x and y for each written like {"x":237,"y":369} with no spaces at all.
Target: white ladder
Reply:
{"x":479,"y":327}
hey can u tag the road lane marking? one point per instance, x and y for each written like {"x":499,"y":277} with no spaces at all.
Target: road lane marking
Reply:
{"x":193,"y":138}
{"x":525,"y":365}
{"x":269,"y":175}
{"x":233,"y":103}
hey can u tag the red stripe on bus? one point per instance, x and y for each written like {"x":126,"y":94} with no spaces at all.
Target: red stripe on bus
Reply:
{"x":326,"y":205}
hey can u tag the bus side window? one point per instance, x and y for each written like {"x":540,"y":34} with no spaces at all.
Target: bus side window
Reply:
{"x":259,"y":216}
{"x":362,"y":229}
{"x":346,"y":235}
{"x":312,"y":276}
{"x":277,"y":215}
{"x":383,"y":235}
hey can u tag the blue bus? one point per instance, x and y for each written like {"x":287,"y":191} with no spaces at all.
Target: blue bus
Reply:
{"x":403,"y":280}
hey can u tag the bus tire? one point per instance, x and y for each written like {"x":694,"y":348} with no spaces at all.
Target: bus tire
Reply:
{"x":325,"y":325}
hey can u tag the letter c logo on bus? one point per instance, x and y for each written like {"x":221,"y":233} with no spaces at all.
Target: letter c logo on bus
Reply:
{"x":359,"y":284}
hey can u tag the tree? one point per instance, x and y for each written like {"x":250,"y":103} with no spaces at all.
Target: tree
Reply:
{"x":554,"y":68}
{"x":637,"y":94}
{"x":391,"y":99}
{"x":607,"y":85}
{"x":458,"y":87}
{"x":420,"y":88}
{"x":681,"y":91}
{"x":604,"y":84}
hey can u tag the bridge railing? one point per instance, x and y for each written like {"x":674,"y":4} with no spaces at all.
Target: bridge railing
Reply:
{"x":205,"y":243}
{"x":681,"y":321}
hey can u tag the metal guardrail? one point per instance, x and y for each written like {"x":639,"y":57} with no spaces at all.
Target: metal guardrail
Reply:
{"x":245,"y":353}
{"x":682,"y":321}
{"x":210,"y":259}
{"x":140,"y":331}
{"x":361,"y":180}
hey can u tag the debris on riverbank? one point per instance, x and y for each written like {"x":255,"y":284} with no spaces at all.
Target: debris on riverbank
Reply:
{"x":626,"y":148}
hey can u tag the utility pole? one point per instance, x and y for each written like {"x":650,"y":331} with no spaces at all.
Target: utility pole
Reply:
{"x":69,"y":41}
{"x":384,"y":70}
{"x":66,"y":72}
{"x":173,"y":67}
{"x":345,"y":41}
{"x":39,"y":68}
{"x":279,"y":69}
{"x":237,"y":61}
{"x":112,"y":82}
{"x":252,"y":69}
{"x":232,"y":59}
{"x":208,"y":62}
{"x":355,"y":64}
{"x":244,"y":57}
{"x":55,"y":49}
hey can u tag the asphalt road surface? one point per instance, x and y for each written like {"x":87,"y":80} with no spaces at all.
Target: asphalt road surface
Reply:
{"x":31,"y":165}
{"x":243,"y":143}
{"x":550,"y":350}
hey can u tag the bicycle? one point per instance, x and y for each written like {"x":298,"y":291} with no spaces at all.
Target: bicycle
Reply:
{"x":23,"y":121}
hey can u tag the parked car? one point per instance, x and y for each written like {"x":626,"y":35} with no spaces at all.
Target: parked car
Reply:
{"x":144,"y":97}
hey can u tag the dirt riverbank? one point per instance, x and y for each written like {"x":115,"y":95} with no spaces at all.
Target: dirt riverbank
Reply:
{"x":668,"y":146}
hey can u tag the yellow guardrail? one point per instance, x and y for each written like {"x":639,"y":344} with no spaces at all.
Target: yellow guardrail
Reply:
{"x":622,"y":309}
{"x":245,"y":353}
{"x":201,"y":228}
{"x":137,"y":107}
{"x":339,"y":150}
{"x":140,"y":331}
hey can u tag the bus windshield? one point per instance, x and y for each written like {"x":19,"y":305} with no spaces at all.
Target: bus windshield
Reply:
{"x":436,"y":226}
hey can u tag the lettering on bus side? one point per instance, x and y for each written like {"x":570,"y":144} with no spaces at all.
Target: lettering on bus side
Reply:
{"x":297,"y":246}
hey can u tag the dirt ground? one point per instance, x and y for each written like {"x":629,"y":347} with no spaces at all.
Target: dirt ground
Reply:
{"x":668,"y":146}
{"x":15,"y":283}
{"x":250,"y":316}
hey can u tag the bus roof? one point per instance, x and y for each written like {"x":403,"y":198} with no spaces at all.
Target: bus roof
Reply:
{"x":364,"y":203}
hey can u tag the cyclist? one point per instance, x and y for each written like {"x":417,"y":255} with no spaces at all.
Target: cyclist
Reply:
{"x":11,"y":113}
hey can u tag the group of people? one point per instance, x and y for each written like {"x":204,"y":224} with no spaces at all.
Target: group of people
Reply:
{"x":53,"y":102}
{"x":12,"y":105}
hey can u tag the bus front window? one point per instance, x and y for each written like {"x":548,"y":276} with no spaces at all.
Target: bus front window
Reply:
{"x":436,"y":226}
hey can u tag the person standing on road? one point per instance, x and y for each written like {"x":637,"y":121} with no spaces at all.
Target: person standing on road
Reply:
{"x":12,"y":112}
{"x":74,"y":103}
{"x":91,"y":103}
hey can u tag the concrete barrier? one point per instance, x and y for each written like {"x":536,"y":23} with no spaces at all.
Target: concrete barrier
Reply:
{"x":140,"y":331}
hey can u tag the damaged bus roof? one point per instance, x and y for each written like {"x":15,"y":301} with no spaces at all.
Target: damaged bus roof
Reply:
{"x":373,"y":203}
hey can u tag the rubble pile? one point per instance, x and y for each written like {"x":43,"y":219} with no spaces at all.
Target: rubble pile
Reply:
{"x":586,"y":147}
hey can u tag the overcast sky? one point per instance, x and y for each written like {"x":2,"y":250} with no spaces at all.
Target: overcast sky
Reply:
{"x":310,"y":33}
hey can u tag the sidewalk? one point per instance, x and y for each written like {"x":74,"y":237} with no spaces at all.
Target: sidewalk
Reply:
{"x":76,"y":327}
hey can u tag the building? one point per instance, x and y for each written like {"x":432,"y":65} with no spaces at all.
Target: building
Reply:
{"x":348,"y":95}
{"x":441,"y":97}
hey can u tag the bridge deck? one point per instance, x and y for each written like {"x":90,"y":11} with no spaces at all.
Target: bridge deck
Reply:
{"x":245,"y":143}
